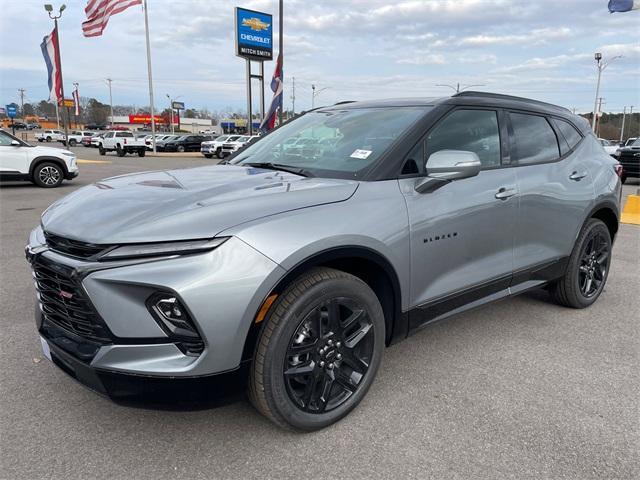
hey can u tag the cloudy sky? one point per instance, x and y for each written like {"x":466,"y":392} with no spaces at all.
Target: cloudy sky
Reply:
{"x":357,"y":49}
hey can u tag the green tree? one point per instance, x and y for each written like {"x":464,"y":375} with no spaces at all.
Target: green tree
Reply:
{"x":96,"y":112}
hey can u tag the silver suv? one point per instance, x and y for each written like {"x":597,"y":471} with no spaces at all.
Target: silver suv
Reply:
{"x":298,"y":266}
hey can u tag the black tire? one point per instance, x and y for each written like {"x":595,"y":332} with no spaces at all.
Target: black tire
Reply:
{"x":208,"y":155}
{"x":48,"y":139}
{"x":220,"y":153}
{"x":180,"y":149}
{"x":305,"y":306}
{"x":623,"y":179}
{"x":101,"y":150}
{"x":141,"y":153}
{"x":48,"y":175}
{"x":120,"y":151}
{"x":72,"y":143}
{"x":588,"y":267}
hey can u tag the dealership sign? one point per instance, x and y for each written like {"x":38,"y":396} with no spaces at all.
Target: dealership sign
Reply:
{"x":12,"y":111}
{"x":254,"y":34}
{"x":145,"y":119}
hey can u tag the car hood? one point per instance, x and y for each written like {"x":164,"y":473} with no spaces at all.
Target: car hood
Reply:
{"x":184,"y":204}
{"x":39,"y":151}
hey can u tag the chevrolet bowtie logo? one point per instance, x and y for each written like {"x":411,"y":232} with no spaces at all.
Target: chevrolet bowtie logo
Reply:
{"x":66,"y":295}
{"x":255,"y":24}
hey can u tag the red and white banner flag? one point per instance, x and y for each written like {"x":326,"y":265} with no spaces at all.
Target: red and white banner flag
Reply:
{"x":49,"y":47}
{"x":98,"y":14}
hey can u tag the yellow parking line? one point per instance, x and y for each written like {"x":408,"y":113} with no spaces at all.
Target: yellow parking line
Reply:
{"x":79,"y":160}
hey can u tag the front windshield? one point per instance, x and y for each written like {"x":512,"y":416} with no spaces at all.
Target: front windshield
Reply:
{"x":333,"y":143}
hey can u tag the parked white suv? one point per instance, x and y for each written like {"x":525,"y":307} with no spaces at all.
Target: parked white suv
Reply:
{"x":214,"y":147}
{"x":50,"y":136}
{"x":44,"y":166}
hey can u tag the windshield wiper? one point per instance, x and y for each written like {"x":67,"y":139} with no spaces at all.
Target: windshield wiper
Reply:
{"x":280,"y":166}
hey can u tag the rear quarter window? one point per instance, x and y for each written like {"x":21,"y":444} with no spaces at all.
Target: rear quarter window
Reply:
{"x":533,"y":140}
{"x":569,"y":133}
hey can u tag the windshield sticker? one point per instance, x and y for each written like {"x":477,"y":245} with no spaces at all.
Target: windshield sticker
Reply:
{"x":361,"y":154}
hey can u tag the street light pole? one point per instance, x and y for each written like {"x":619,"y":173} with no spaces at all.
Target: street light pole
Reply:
{"x":55,"y":18}
{"x":457,"y":88}
{"x":75,"y":116}
{"x":601,"y":66}
{"x":108,"y":80}
{"x":314,"y":94}
{"x":171,"y":110}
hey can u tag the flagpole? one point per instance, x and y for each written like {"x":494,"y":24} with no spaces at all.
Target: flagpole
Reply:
{"x":153,"y":120}
{"x":280,"y":40}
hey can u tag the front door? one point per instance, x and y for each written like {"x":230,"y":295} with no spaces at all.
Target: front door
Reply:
{"x":13,"y":159}
{"x":462,"y":233}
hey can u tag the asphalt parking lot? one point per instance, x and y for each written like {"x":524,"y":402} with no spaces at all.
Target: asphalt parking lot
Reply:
{"x":518,"y":389}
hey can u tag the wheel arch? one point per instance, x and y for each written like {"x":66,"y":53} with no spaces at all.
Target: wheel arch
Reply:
{"x":608,"y":213}
{"x":38,"y":160}
{"x":369,"y":266}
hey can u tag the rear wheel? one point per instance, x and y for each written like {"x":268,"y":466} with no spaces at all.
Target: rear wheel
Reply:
{"x":208,"y":155}
{"x":72,"y":143}
{"x":220,"y":153}
{"x":180,"y":148}
{"x":48,"y":175}
{"x":101,"y":150}
{"x":588,"y":267}
{"x":48,"y":139}
{"x":141,"y":153}
{"x":318,"y":352}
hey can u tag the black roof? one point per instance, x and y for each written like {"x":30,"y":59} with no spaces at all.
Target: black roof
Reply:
{"x":463,"y":98}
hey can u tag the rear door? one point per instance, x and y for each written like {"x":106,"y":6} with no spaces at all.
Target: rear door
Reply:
{"x":556,"y":189}
{"x":461,"y":233}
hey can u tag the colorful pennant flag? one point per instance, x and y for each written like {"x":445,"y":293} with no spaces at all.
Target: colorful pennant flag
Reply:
{"x":49,"y":47}
{"x":269,"y":120}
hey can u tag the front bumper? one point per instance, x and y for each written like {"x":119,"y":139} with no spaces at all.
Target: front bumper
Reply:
{"x":221,"y":289}
{"x":72,"y":174}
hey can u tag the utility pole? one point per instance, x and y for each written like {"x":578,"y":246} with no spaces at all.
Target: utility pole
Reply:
{"x":313,"y":95}
{"x":171,"y":110}
{"x":293,"y":96}
{"x":108,"y":80}
{"x":21,"y":92}
{"x":624,"y":115}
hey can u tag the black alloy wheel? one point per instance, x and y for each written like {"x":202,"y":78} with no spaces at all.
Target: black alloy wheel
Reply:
{"x":319,"y":350}
{"x":588,"y":267}
{"x":329,"y":355}
{"x":594,"y":264}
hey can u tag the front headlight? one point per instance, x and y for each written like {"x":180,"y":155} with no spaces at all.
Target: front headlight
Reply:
{"x":163,"y":249}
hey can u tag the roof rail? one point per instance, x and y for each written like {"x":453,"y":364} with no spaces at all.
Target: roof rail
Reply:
{"x":344,"y":101}
{"x":470,"y":93}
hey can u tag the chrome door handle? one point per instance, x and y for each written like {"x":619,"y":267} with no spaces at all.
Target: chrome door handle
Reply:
{"x":577,"y":176}
{"x":505,"y":193}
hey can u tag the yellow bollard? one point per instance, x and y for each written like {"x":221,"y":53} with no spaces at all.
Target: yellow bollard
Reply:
{"x":631,"y":211}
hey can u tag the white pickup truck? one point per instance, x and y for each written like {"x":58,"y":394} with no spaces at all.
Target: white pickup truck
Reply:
{"x":75,"y":137}
{"x":122,"y":143}
{"x":50,"y":136}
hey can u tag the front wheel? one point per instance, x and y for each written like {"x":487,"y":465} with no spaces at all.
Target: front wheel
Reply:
{"x":220,"y":154}
{"x":180,"y":149}
{"x":72,"y":143}
{"x":208,"y":155}
{"x":318,"y":352}
{"x":48,"y":139}
{"x":101,"y":150}
{"x":588,"y":267}
{"x":48,"y":175}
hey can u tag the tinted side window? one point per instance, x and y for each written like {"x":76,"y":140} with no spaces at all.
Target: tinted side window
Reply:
{"x":568,"y":131}
{"x":471,"y":130}
{"x":533,"y":139}
{"x":5,"y":139}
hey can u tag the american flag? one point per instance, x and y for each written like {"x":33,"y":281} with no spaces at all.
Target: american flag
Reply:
{"x":98,"y":14}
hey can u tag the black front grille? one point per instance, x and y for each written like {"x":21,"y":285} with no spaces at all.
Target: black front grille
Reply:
{"x":64,"y":303}
{"x":74,"y":248}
